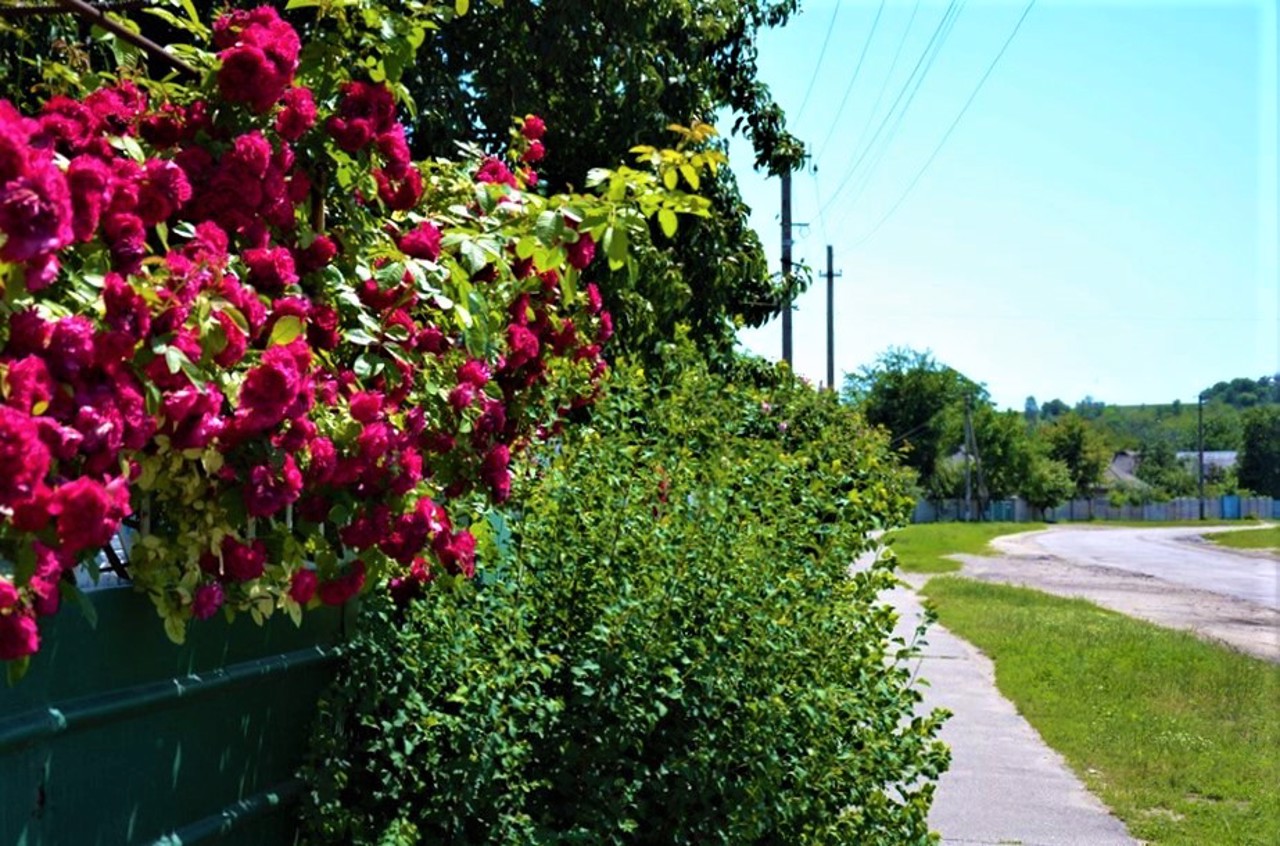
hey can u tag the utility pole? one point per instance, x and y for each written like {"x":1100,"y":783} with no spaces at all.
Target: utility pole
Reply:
{"x":786,"y":264}
{"x":1200,"y":445}
{"x":968,"y":452}
{"x":831,"y":321}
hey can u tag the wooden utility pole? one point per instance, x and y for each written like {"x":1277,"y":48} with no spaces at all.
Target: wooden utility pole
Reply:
{"x":831,"y":321}
{"x":968,"y":452}
{"x":1200,"y":446}
{"x":786,"y":265}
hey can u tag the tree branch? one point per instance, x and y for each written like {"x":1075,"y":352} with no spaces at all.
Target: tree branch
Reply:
{"x":99,"y":18}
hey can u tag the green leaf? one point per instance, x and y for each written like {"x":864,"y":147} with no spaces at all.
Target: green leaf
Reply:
{"x":690,"y":175}
{"x":461,"y":6}
{"x":173,"y":359}
{"x":358,"y":337}
{"x":285,"y":331}
{"x":175,"y":628}
{"x":615,"y":246}
{"x":667,"y":220}
{"x":525,"y":247}
{"x":549,"y":227}
{"x":17,"y":668}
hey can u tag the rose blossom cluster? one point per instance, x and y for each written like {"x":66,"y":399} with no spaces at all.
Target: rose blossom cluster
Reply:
{"x":272,"y":409}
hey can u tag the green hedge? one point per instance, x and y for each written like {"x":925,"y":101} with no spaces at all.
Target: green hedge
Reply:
{"x":665,"y":647}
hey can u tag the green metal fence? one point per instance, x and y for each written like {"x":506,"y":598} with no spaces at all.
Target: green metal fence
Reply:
{"x":116,"y":736}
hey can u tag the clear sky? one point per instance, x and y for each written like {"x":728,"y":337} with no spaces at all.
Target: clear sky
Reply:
{"x":1101,"y":221}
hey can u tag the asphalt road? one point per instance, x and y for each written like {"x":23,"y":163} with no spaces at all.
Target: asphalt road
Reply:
{"x":1172,"y":554}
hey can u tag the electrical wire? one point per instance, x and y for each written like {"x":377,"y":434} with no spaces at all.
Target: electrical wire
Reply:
{"x":926,"y":56}
{"x":875,"y":107}
{"x":951,"y":128}
{"x":818,"y":67}
{"x":835,"y":121}
{"x":868,"y":174}
{"x":893,"y":65}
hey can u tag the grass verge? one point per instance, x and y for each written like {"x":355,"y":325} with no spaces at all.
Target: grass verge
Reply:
{"x":1177,"y":736}
{"x":920,"y":548}
{"x":1268,"y":538}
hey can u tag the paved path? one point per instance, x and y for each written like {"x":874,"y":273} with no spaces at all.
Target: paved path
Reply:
{"x":1175,"y":555}
{"x":1005,"y":786}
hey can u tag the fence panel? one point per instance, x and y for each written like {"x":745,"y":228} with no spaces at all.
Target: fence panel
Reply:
{"x":116,"y":736}
{"x":1181,"y":509}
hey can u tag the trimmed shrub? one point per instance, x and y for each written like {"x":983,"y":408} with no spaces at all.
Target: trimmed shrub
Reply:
{"x":665,"y":646}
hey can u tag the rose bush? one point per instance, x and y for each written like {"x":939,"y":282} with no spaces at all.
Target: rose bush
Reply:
{"x":238,"y":320}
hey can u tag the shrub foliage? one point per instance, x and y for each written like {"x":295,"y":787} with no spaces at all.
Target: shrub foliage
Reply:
{"x":665,"y":646}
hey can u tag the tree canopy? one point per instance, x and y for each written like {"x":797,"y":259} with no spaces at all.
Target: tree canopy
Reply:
{"x":908,"y":393}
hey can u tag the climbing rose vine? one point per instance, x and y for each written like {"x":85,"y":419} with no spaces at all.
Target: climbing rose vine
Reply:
{"x":258,"y":358}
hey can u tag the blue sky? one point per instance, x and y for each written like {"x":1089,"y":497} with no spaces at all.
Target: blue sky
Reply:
{"x":1100,"y":222}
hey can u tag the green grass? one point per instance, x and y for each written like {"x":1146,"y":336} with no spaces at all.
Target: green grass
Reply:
{"x":1268,"y":538}
{"x":920,"y":548}
{"x":1179,"y":737}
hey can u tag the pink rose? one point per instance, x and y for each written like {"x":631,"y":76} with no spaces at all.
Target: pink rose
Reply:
{"x":581,"y":251}
{"x":271,"y":269}
{"x":23,"y":454}
{"x":534,"y":127}
{"x":523,"y":346}
{"x":243,"y":562}
{"x":19,"y":635}
{"x":35,"y":214}
{"x":422,"y":242}
{"x":494,"y":472}
{"x":298,"y":114}
{"x":456,"y":552}
{"x":475,"y":372}
{"x":206,"y":601}
{"x":89,"y":512}
{"x":268,"y":492}
{"x":303,"y":586}
{"x":339,"y":590}
{"x":269,"y":391}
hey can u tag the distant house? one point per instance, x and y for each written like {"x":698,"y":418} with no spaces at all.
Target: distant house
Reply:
{"x":1215,"y":461}
{"x":1122,"y":471}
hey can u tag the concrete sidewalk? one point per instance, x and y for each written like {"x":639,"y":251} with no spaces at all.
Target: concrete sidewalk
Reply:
{"x":1005,"y":786}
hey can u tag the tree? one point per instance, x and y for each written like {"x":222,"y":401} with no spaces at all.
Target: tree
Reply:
{"x":1053,"y":409}
{"x":641,"y":65}
{"x":1031,"y":412}
{"x":1047,"y":483}
{"x":1005,"y":449}
{"x":1159,"y":467}
{"x":1243,"y":392}
{"x":908,"y":392}
{"x":1070,"y":440}
{"x":650,"y":64}
{"x":1260,"y":456}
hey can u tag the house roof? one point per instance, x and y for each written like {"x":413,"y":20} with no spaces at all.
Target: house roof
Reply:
{"x":1220,"y":458}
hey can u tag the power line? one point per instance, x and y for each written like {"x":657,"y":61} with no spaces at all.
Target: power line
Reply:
{"x":902,"y":42}
{"x":853,"y":79}
{"x":948,"y":16}
{"x":869,"y":172}
{"x":893,"y":64}
{"x":951,"y":128}
{"x":818,"y":67}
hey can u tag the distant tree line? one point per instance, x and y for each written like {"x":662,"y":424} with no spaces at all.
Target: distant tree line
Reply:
{"x":945,"y":426}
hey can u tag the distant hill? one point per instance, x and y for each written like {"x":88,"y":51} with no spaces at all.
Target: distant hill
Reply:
{"x":1128,"y":427}
{"x":1246,"y":393}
